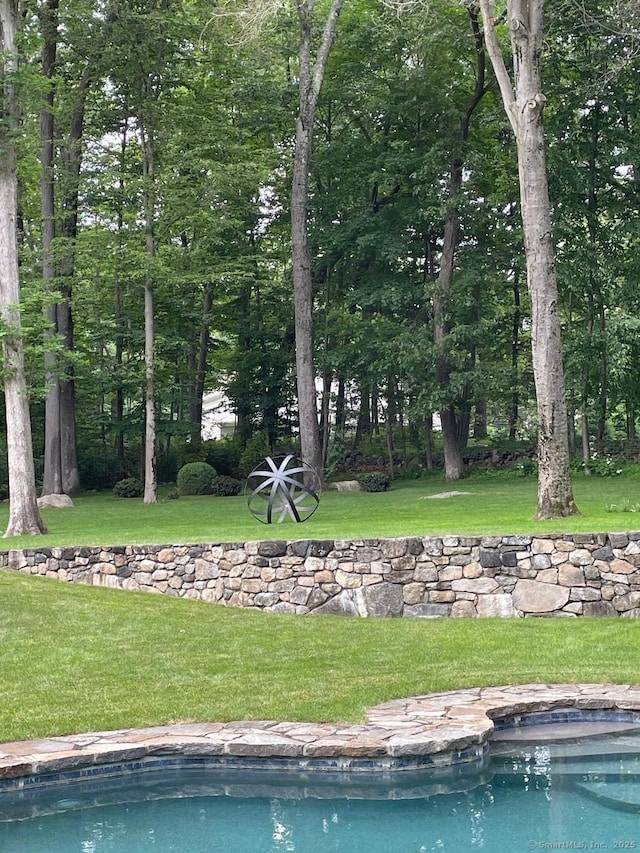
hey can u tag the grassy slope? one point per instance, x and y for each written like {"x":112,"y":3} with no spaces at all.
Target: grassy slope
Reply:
{"x":75,"y":658}
{"x":494,"y":505}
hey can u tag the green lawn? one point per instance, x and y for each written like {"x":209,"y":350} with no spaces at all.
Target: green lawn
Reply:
{"x":494,"y":505}
{"x":75,"y":658}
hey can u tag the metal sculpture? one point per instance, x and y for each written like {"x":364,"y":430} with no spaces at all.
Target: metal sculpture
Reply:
{"x":282,"y":487}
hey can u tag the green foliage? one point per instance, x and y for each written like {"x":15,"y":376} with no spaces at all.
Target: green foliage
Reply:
{"x":413,"y":472}
{"x":196,"y":478}
{"x":223,"y":455}
{"x":335,"y":454}
{"x":526,"y":467}
{"x":130,"y":487}
{"x":600,"y":465}
{"x":190,"y":451}
{"x":605,"y":466}
{"x":624,"y":506}
{"x":255,"y":450}
{"x":226,"y":487}
{"x":219,"y":118}
{"x":167,"y":466}
{"x":375,"y":481}
{"x":99,"y":468}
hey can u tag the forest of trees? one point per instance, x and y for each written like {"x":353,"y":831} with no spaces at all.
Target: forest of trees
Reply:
{"x":249,"y":195}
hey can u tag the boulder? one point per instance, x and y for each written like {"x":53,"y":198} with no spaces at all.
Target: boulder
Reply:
{"x":382,"y":600}
{"x":500,"y":604}
{"x":345,"y":486}
{"x":533,"y":597}
{"x":340,"y":605}
{"x":57,"y":501}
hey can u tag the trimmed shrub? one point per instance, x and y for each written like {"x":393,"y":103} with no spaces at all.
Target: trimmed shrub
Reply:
{"x":130,"y":487}
{"x":196,"y":478}
{"x":375,"y":481}
{"x":226,"y":487}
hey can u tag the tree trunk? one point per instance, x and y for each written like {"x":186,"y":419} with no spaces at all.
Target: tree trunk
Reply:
{"x":52,"y":474}
{"x":631,"y":421}
{"x":150,"y":480}
{"x":454,"y":425}
{"x":325,"y":418}
{"x":242,"y":401}
{"x":24,"y":516}
{"x":604,"y":371}
{"x":118,"y":367}
{"x":480,"y":421}
{"x":341,"y":408}
{"x":571,"y":430}
{"x":68,"y":442}
{"x":586,"y":450}
{"x":389,"y":443}
{"x":71,"y":162}
{"x":428,"y":442}
{"x":524,"y":109}
{"x":311,"y":76}
{"x":201,"y":360}
{"x":515,"y":356}
{"x":453,"y":462}
{"x":61,"y":458}
{"x":303,"y":300}
{"x":363,"y":424}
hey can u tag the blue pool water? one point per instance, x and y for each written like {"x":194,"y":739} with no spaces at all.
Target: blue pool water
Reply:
{"x":544,"y":795}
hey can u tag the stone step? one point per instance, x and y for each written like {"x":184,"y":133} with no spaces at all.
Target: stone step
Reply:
{"x":621,"y":793}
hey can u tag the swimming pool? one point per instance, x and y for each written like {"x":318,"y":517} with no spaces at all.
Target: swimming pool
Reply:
{"x":544,"y":786}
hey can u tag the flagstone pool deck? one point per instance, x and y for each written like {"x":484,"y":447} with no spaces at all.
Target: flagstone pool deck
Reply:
{"x":438,"y":729}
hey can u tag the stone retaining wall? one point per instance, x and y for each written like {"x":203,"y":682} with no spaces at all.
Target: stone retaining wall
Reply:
{"x":569,"y":575}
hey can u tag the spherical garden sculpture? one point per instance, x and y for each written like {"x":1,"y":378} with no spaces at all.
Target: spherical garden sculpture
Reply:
{"x":282,"y":487}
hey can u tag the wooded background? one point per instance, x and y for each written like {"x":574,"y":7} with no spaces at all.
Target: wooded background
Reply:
{"x":155,"y":149}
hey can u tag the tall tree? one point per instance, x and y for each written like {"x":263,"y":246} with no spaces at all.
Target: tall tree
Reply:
{"x":24,"y":516}
{"x":311,"y":72}
{"x":70,"y":75}
{"x":151,"y":45}
{"x":149,"y":177}
{"x":52,"y":474}
{"x":524,"y":106}
{"x":452,"y":421}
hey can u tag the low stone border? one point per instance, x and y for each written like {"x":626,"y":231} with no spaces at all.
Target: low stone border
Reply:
{"x":437,"y":730}
{"x":566,"y":575}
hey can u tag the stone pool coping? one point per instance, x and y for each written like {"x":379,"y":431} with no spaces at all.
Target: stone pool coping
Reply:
{"x":437,"y":730}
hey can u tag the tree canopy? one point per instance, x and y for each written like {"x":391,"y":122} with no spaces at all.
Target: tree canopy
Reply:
{"x":157,"y":171}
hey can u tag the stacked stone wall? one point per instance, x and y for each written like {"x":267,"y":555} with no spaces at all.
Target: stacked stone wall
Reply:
{"x":460,"y":576}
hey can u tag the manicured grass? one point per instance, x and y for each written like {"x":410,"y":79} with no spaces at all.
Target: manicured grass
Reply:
{"x":493,"y":505}
{"x":75,"y":658}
